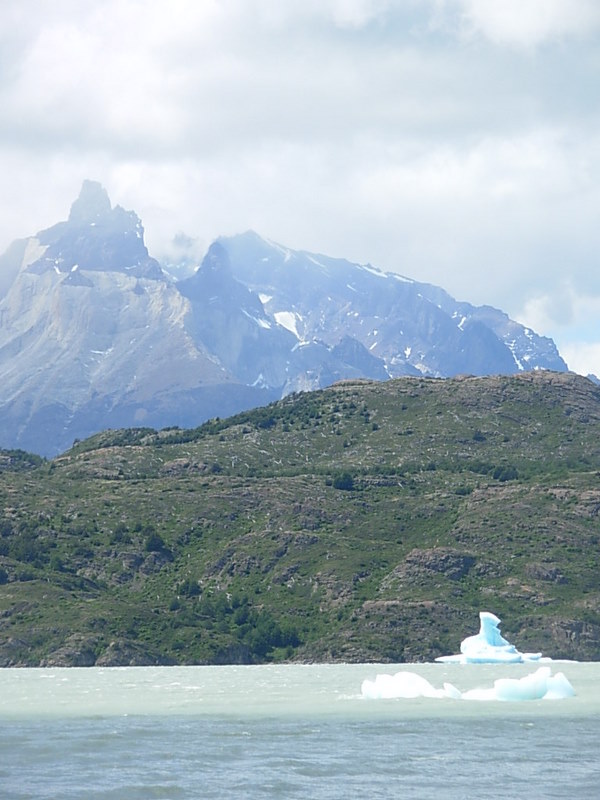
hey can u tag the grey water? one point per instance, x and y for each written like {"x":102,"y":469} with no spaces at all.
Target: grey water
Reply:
{"x":293,"y":731}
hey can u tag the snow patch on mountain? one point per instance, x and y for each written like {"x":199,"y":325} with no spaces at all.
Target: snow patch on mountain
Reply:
{"x":260,"y":321}
{"x":512,"y":347}
{"x":285,"y":252}
{"x":289,"y":320}
{"x":374,"y":271}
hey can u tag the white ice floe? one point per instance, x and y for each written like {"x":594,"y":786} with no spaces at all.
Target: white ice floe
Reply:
{"x":489,"y":646}
{"x":405,"y":685}
{"x":540,"y":685}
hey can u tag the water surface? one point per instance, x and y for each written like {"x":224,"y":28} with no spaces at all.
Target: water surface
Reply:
{"x":289,"y":732}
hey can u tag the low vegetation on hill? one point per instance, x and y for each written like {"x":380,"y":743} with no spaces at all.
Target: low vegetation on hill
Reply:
{"x":364,"y":522}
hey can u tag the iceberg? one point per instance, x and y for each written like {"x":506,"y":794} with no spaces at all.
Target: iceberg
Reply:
{"x":489,"y":646}
{"x":540,"y":685}
{"x":405,"y":685}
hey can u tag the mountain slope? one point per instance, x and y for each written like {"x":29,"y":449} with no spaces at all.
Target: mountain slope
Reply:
{"x":367,"y":521}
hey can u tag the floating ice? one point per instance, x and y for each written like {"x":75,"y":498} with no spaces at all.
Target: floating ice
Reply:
{"x":406,"y":685}
{"x":486,"y":647}
{"x":489,"y":646}
{"x":540,"y":685}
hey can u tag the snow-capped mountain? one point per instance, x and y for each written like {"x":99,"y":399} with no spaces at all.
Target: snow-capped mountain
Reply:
{"x":94,"y":334}
{"x":408,"y":328}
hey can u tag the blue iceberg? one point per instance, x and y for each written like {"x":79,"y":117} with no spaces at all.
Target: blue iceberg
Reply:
{"x":489,"y":646}
{"x":540,"y":685}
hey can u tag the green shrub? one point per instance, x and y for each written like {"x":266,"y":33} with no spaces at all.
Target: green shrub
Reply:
{"x":344,"y":481}
{"x":506,"y":473}
{"x":155,"y":543}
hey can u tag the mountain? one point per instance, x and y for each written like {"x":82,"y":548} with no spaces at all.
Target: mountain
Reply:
{"x":94,"y":334}
{"x":369,"y":521}
{"x":412,"y":328}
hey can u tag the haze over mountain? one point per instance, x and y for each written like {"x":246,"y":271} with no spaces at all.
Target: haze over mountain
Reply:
{"x":94,"y":334}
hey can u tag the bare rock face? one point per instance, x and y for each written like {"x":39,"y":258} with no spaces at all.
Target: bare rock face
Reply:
{"x":77,"y":651}
{"x":444,"y":562}
{"x":575,"y":637}
{"x":545,"y":572}
{"x":14,"y":653}
{"x":92,"y":204}
{"x":122,"y":653}
{"x":561,"y":637}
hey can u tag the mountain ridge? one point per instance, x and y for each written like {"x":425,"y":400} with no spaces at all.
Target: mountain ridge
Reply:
{"x":94,"y":334}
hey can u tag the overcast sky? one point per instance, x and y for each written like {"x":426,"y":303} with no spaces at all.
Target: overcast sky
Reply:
{"x":453,"y":141}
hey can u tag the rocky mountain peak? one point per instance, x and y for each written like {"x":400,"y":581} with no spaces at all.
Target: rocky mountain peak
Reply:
{"x":216,"y":261}
{"x":97,"y":238}
{"x":213,"y":275}
{"x":214,"y":279}
{"x":93,"y":203}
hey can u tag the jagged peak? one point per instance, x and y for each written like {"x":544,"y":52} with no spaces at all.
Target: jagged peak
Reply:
{"x":216,"y":260}
{"x":93,"y":202}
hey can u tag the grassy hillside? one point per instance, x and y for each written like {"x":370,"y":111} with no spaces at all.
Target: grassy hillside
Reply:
{"x":368,"y":521}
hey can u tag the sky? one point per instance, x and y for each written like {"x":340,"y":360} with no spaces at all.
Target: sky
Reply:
{"x":456,"y":142}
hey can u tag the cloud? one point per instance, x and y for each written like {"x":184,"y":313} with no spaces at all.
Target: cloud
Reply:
{"x":345,"y":14}
{"x":149,"y":80}
{"x":89,"y":81}
{"x":581,"y":357}
{"x":453,"y":141}
{"x":146,"y":80}
{"x":357,"y":13}
{"x":528,"y":23}
{"x":572,"y":316}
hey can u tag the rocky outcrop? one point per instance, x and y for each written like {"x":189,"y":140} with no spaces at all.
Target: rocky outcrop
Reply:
{"x":419,"y":564}
{"x":576,"y":638}
{"x":78,"y":650}
{"x":123,"y":653}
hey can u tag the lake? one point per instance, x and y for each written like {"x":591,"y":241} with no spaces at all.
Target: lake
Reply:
{"x":290,"y":731}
